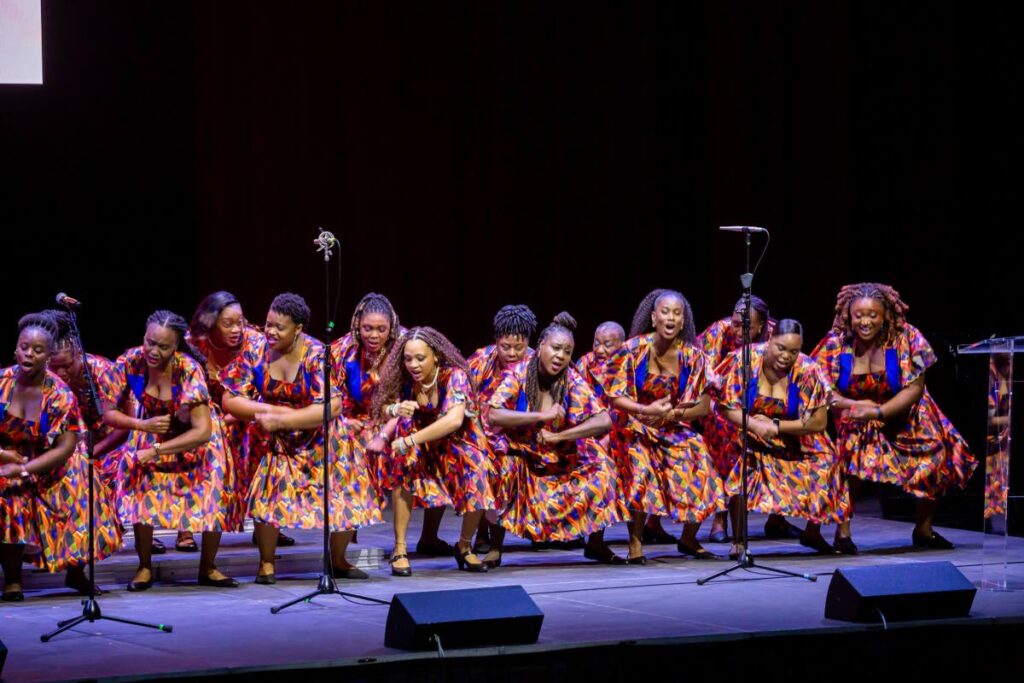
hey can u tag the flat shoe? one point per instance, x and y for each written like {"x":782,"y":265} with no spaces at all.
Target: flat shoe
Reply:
{"x":139,"y":586}
{"x":637,"y":560}
{"x":845,"y":546}
{"x":158,"y":547}
{"x":934,"y":542}
{"x":187,"y":545}
{"x":265,"y":579}
{"x":226,"y":582}
{"x":696,"y":553}
{"x":604,"y":556}
{"x":13,"y":596}
{"x":438,"y":548}
{"x":779,"y":531}
{"x":656,"y":537}
{"x":80,"y":584}
{"x":349,"y":573}
{"x":818,"y":544}
{"x":719,"y":537}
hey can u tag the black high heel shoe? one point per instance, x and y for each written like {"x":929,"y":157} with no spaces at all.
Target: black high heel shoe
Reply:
{"x":460,"y":560}
{"x":400,"y":571}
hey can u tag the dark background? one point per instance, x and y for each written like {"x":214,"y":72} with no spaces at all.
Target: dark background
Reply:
{"x":564,"y":155}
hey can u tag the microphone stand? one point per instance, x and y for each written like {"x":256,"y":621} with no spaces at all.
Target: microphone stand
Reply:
{"x":746,"y":560}
{"x":326,"y":584}
{"x":91,"y":607}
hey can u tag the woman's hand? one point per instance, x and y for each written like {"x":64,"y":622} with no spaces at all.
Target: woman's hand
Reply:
{"x":161,"y":424}
{"x":9,"y":457}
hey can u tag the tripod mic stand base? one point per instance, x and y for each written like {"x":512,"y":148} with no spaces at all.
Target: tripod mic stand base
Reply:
{"x":91,"y":613}
{"x":746,"y":561}
{"x":326,"y":586}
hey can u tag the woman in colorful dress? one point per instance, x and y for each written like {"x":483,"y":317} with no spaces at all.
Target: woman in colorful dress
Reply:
{"x":514,"y":325}
{"x":440,"y":453}
{"x":889,"y":428}
{"x":721,"y":338}
{"x":44,"y":484}
{"x":175,"y":468}
{"x":220,"y":331}
{"x":280,"y":392}
{"x":795,"y":468}
{"x":608,"y":338}
{"x":658,"y":384}
{"x":563,"y":485}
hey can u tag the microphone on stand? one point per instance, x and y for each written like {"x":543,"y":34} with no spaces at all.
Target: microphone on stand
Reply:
{"x":325,"y":241}
{"x":67,"y":301}
{"x":741,"y":228}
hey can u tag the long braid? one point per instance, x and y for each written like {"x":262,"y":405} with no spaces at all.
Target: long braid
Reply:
{"x":563,"y":322}
{"x":642,"y":317}
{"x":393,"y":373}
{"x":895,"y":308}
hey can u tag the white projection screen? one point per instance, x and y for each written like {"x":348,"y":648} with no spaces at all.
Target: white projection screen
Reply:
{"x":21,"y":42}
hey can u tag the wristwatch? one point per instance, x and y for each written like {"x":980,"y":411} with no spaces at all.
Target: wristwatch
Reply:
{"x":778,"y":427}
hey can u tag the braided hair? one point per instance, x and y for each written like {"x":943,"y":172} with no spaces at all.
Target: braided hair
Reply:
{"x":642,"y":317}
{"x":65,"y":337}
{"x":393,"y":373}
{"x":514,"y":321}
{"x":207,"y":312}
{"x":559,"y":385}
{"x":895,"y":309}
{"x":42,"y":322}
{"x":375,"y":303}
{"x":179,"y":326}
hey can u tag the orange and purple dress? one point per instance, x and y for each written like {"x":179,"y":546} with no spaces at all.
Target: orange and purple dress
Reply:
{"x":455,"y":470}
{"x":49,"y":513}
{"x":663,"y":470}
{"x":235,"y":431}
{"x":189,"y":491}
{"x":801,"y":476}
{"x":561,"y":491}
{"x":593,"y":371}
{"x":287,"y":484}
{"x":921,"y":452}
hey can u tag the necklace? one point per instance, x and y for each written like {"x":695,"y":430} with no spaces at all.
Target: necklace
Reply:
{"x":425,"y":388}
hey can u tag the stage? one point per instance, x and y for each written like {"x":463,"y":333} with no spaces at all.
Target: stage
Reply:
{"x":591,"y":611}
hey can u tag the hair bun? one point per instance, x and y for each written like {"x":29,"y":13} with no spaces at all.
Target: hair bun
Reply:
{"x":565,"y":320}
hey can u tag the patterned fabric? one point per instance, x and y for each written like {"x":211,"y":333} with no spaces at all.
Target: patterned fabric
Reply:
{"x":664,"y":470}
{"x":718,"y":341}
{"x":49,"y":513}
{"x":107,"y":465}
{"x":287,"y":486}
{"x":455,"y":470}
{"x":235,"y":431}
{"x":593,"y":370}
{"x":559,"y":491}
{"x":485,"y":376}
{"x":190,"y":491}
{"x":801,"y":476}
{"x":922,"y":452}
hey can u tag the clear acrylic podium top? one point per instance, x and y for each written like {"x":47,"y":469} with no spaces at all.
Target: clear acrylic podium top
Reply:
{"x":994,"y":345}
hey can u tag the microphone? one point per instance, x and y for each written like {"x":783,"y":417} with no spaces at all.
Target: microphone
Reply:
{"x":325,"y":241}
{"x":741,"y":228}
{"x":67,"y":301}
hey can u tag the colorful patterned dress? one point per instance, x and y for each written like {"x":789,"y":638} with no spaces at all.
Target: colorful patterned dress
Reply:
{"x":188,"y":491}
{"x":922,"y":452}
{"x":49,"y":512}
{"x":664,"y":470}
{"x":718,"y":341}
{"x":235,"y":431}
{"x":593,"y":371}
{"x":356,"y":383}
{"x":559,"y":491}
{"x":106,"y":465}
{"x":455,"y":470}
{"x":287,"y":485}
{"x":486,"y":376}
{"x":800,"y":476}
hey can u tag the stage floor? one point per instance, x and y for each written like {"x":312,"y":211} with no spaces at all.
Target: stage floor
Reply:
{"x":583,"y":602}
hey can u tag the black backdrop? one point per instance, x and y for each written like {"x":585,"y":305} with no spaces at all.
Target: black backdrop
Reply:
{"x":564,"y":155}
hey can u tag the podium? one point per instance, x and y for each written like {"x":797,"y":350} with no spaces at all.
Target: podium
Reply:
{"x":1001,"y":498}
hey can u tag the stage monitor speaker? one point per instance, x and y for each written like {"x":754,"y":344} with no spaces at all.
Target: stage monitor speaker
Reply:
{"x":475,"y":617}
{"x":899,"y":592}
